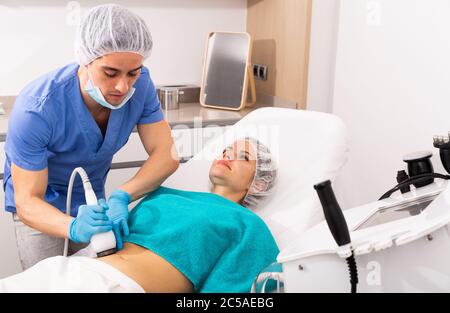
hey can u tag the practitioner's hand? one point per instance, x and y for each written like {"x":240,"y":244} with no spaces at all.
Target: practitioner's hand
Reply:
{"x":90,"y":220}
{"x":118,"y":214}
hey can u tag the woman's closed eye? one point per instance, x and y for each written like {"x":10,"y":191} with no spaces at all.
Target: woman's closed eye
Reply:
{"x":244,"y":156}
{"x":225,"y":152}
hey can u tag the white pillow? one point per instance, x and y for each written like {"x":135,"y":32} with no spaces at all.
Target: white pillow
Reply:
{"x":309,"y":147}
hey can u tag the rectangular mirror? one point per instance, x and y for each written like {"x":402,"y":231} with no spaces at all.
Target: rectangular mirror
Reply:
{"x":226,"y":71}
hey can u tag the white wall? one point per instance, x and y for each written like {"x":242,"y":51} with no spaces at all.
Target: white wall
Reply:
{"x":37,"y":36}
{"x":392,"y":88}
{"x":322,"y":56}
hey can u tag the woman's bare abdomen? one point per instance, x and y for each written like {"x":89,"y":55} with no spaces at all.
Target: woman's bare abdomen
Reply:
{"x":152,"y":272}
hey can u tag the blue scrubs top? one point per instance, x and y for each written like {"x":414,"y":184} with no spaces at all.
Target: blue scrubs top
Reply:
{"x":51,"y":127}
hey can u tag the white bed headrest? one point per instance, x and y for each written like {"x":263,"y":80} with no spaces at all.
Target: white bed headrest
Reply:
{"x":309,"y":147}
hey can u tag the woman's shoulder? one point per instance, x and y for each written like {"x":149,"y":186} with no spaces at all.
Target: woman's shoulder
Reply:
{"x":189,"y":194}
{"x":162,"y":190}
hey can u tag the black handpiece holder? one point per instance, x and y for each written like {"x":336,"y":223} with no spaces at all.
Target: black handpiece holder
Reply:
{"x":419,"y":163}
{"x":420,"y":168}
{"x":338,"y":226}
{"x":333,"y":213}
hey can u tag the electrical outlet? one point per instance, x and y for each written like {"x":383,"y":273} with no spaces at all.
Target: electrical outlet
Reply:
{"x":255,"y":70}
{"x":263,"y":72}
{"x":260,"y":71}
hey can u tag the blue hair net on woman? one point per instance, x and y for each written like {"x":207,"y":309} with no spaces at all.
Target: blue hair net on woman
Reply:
{"x":265,"y":174}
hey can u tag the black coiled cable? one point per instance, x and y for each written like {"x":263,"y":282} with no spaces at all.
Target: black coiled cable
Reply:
{"x":353,"y":269}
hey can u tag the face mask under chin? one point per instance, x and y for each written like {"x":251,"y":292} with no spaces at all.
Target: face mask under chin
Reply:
{"x":95,"y":93}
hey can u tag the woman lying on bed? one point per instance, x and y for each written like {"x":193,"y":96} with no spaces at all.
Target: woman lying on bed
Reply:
{"x":180,"y":241}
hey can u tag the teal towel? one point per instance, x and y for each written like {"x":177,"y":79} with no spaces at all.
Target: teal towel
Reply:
{"x":219,"y":245}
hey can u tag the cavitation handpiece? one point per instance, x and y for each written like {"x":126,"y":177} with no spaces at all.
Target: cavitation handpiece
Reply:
{"x":338,"y":227}
{"x":102,"y":244}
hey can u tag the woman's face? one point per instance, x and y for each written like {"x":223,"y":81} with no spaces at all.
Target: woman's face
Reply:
{"x":235,"y":168}
{"x":115,"y":74}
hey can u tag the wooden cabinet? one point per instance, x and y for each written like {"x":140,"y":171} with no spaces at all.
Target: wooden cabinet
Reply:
{"x":281,"y":38}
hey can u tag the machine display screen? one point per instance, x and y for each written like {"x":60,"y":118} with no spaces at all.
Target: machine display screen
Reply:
{"x":397,"y":212}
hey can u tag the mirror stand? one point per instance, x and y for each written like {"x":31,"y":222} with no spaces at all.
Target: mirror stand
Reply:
{"x":251,"y":84}
{"x":227,"y":72}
